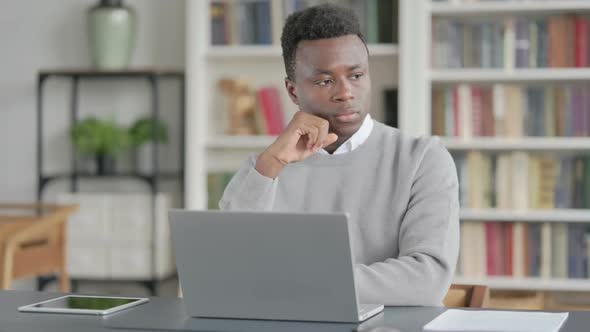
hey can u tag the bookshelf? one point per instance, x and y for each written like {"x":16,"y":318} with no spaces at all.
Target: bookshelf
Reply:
{"x":209,"y":148}
{"x":537,"y":75}
{"x":550,"y":215}
{"x":421,"y":74}
{"x":532,"y":284}
{"x":274,"y":51}
{"x":507,"y":7}
{"x":559,"y":144}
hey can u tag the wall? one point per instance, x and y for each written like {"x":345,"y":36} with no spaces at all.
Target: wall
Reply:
{"x":52,"y":34}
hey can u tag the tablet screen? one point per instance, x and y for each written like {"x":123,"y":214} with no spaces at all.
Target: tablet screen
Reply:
{"x":87,"y":303}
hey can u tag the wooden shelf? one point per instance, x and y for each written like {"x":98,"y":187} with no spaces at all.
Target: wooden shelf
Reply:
{"x":541,"y":75}
{"x":549,"y":215}
{"x":561,"y":144}
{"x":511,"y":283}
{"x":509,"y":7}
{"x":275,"y":51}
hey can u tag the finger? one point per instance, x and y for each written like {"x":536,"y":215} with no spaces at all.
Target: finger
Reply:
{"x":312,"y":135}
{"x":323,"y":127}
{"x":331,"y":138}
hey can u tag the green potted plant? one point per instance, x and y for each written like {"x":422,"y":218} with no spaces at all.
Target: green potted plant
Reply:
{"x":141,"y":134}
{"x":100,"y":139}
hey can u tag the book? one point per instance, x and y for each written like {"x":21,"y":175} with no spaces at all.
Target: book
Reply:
{"x":513,"y":42}
{"x":270,"y":105}
{"x":218,"y":23}
{"x":486,"y":320}
{"x":511,"y":110}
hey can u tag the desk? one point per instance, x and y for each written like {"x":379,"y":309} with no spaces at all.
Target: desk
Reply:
{"x":168,"y":314}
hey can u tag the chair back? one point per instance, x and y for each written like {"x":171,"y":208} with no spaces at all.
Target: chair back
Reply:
{"x":467,"y":296}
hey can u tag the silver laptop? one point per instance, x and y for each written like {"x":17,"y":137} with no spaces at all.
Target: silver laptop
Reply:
{"x":262,"y":265}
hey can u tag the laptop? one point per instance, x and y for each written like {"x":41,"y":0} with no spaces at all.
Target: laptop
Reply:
{"x":267,"y":265}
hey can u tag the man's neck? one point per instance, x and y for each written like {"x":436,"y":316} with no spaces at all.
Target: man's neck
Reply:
{"x":334,"y":146}
{"x":342,"y":138}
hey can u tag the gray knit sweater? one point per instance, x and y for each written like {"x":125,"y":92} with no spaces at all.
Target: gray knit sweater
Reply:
{"x":402,"y":197}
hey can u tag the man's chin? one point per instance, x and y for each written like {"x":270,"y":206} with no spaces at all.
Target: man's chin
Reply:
{"x":344,"y":129}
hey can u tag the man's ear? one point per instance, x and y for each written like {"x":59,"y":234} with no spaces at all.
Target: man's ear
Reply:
{"x":291,"y":90}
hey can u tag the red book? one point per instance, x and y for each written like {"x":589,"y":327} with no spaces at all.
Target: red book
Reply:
{"x":508,"y":243}
{"x":494,"y":248}
{"x":457,"y":121}
{"x":581,"y":41}
{"x":476,"y":106}
{"x":272,"y":110}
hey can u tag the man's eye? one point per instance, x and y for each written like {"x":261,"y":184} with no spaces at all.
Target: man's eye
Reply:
{"x":357,"y":76}
{"x":324,"y":82}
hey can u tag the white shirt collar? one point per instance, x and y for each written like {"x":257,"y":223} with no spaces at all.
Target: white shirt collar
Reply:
{"x":356,"y":139}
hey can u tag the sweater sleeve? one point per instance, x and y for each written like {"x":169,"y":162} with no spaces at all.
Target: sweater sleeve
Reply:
{"x":249,"y":190}
{"x":428,"y":239}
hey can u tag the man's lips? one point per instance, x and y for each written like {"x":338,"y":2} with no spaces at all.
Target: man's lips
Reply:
{"x":347,"y":116}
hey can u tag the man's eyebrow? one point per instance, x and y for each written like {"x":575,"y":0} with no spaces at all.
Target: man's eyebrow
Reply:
{"x":319,"y":71}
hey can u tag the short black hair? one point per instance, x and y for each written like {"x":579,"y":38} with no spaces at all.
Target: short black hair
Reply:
{"x":317,"y":22}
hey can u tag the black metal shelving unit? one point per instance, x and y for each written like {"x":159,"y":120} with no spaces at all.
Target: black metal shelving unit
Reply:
{"x":153,"y":77}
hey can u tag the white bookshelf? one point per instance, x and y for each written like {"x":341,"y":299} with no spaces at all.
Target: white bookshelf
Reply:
{"x":549,"y":215}
{"x":540,"y":75}
{"x":417,"y":78}
{"x":208,"y":148}
{"x":559,"y":144}
{"x":533,"y":284}
{"x":274,"y":51}
{"x":461,"y":9}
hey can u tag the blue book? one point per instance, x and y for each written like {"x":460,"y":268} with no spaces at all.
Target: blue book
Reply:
{"x":533,"y":115}
{"x":536,"y":103}
{"x":576,"y":250}
{"x":485,"y":52}
{"x":522,"y":43}
{"x":262,"y":21}
{"x":534,"y":249}
{"x":564,"y":187}
{"x":498,"y":44}
{"x":455,"y":45}
{"x":542,"y":44}
{"x":218,"y":12}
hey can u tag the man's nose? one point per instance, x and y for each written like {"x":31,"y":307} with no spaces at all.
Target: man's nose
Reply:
{"x":343,"y":91}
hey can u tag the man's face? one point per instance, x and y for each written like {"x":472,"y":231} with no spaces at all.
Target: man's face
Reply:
{"x":332,"y":81}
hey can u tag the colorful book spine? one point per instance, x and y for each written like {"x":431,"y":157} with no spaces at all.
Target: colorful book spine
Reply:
{"x":270,"y":104}
{"x":512,"y":42}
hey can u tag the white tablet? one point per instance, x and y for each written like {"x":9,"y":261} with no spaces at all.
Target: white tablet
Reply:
{"x":84,"y":304}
